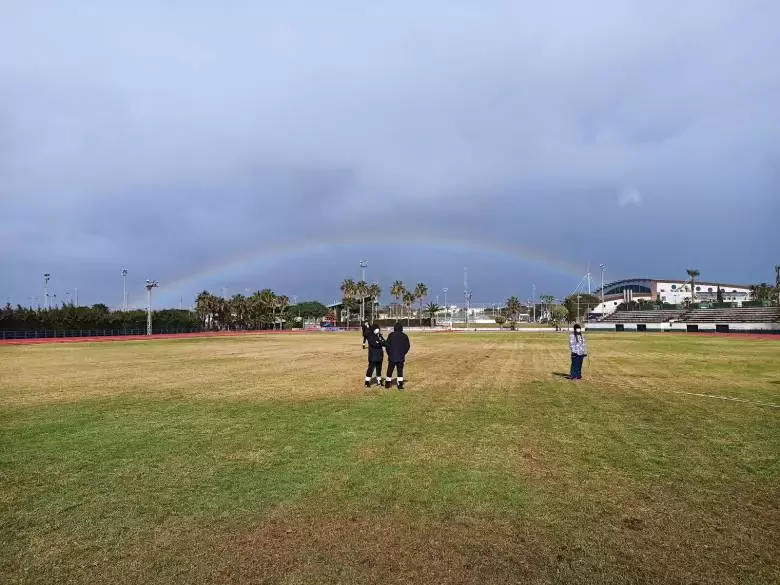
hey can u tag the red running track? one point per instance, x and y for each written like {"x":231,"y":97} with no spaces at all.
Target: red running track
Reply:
{"x":97,"y":338}
{"x":40,"y":340}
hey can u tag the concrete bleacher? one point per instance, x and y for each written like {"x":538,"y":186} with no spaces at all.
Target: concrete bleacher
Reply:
{"x":741,"y":315}
{"x":642,"y":316}
{"x":725,"y":320}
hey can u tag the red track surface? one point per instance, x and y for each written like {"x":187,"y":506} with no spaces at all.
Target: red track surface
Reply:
{"x":774,"y":336}
{"x":143,"y":337}
{"x":36,"y":341}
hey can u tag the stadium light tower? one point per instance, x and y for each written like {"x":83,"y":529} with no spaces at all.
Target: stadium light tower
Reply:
{"x":363,"y":265}
{"x":150,"y":284}
{"x":603,"y":268}
{"x":446,"y":308}
{"x":124,"y":289}
{"x":46,"y":278}
{"x":466,"y":295}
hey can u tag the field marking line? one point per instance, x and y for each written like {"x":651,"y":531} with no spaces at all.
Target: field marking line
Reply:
{"x":769,"y":404}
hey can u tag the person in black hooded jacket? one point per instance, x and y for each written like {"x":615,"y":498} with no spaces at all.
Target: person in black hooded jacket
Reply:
{"x":376,"y":344}
{"x":365,"y":327}
{"x":397,"y":346}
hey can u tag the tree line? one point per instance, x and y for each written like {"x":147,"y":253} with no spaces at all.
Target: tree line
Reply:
{"x":98,"y":317}
{"x":357,"y":296}
{"x":262,"y":310}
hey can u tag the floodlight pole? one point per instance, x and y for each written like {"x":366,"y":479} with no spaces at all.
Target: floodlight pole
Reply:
{"x":46,"y":278}
{"x":150,"y":284}
{"x":466,"y":295}
{"x":124,"y":289}
{"x":363,"y":265}
{"x":446,"y":308}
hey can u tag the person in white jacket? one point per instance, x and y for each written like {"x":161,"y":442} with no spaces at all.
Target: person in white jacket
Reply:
{"x":579,"y":349}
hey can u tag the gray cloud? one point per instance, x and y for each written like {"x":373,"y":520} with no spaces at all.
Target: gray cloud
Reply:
{"x":174,"y":136}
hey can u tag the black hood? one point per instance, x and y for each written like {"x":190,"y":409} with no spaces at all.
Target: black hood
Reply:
{"x":398,"y":327}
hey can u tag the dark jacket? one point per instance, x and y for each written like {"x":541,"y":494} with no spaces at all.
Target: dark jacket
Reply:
{"x":376,"y":343}
{"x":397,"y":344}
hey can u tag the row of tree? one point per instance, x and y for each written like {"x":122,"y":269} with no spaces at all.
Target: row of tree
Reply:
{"x":68,"y":317}
{"x":356,"y":296}
{"x":262,"y":309}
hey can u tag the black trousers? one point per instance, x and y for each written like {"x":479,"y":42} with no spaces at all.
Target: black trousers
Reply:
{"x":399,"y":366}
{"x":374,"y":366}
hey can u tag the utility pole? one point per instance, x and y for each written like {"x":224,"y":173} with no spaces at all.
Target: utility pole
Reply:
{"x":533,"y":300}
{"x":124,"y":289}
{"x":46,"y":278}
{"x":150,"y":284}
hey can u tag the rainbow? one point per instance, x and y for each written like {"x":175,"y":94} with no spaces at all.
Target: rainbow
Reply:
{"x":306,"y":246}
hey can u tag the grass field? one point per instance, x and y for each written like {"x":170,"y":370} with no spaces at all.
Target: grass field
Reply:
{"x":264,"y":460}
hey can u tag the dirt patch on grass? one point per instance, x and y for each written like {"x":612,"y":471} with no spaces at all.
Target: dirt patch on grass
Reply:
{"x":395,"y":548}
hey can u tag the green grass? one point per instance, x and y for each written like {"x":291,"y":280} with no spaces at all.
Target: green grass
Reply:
{"x":263,"y":459}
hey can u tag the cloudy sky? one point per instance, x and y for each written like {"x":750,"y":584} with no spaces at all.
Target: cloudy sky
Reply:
{"x":276,"y":144}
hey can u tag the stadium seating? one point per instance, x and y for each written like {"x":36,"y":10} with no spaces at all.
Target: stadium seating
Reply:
{"x":735,"y":315}
{"x":742,"y":315}
{"x":642,"y":316}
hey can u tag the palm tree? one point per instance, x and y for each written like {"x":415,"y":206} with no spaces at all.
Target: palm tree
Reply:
{"x":693,"y":273}
{"x":223,"y":313}
{"x":777,"y":282}
{"x":432,"y":310}
{"x":238,"y":306}
{"x":397,"y":290}
{"x":203,"y":308}
{"x":361,"y":292}
{"x":267,"y":306}
{"x":408,"y":299}
{"x":513,"y":310}
{"x":420,"y":292}
{"x":348,"y":295}
{"x":280,"y":304}
{"x":255,"y":310}
{"x":547,"y":300}
{"x":374,"y":292}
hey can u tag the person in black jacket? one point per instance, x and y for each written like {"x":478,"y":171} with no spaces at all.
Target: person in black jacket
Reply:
{"x":397,"y":346}
{"x":376,"y":344}
{"x":365,"y":327}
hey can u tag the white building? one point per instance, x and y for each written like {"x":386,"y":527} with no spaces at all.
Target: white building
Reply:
{"x":674,"y":292}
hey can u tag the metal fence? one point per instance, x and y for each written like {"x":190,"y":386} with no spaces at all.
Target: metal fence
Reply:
{"x":52,"y":333}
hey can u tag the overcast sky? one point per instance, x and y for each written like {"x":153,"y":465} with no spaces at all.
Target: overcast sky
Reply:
{"x":174,"y":138}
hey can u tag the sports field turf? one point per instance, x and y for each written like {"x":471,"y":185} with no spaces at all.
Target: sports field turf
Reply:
{"x":263,"y":459}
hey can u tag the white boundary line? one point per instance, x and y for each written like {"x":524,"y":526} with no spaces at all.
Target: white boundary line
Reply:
{"x":769,"y":404}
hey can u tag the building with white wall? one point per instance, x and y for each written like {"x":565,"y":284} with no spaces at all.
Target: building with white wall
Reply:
{"x":671,"y":291}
